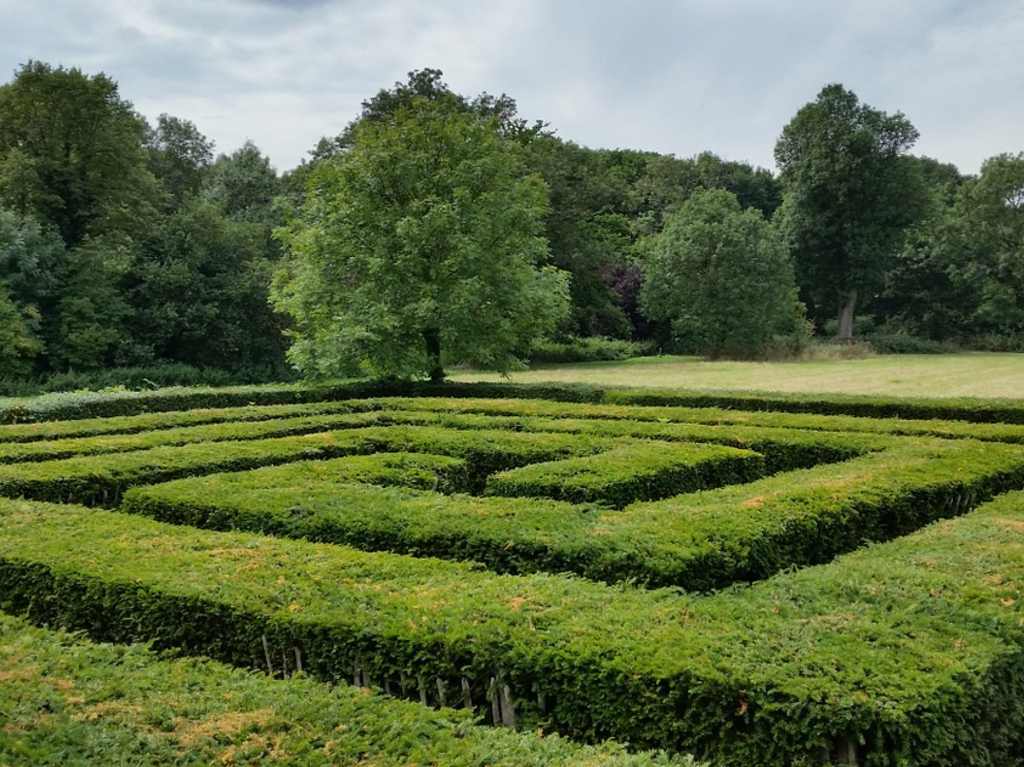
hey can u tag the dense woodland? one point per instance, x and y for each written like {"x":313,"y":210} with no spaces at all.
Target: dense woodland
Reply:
{"x":130,"y":244}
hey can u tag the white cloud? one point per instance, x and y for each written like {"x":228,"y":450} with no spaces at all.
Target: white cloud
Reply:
{"x":677,"y":77}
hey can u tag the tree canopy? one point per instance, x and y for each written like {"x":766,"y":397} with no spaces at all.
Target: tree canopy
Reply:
{"x":721,"y":276}
{"x":850,"y":194}
{"x":423,"y":243}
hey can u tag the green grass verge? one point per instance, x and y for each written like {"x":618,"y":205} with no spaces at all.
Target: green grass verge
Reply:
{"x":697,"y":541}
{"x":907,"y":653}
{"x":639,"y":472}
{"x":69,"y":702}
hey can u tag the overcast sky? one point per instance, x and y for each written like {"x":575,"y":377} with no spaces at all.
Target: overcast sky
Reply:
{"x":678,"y":77}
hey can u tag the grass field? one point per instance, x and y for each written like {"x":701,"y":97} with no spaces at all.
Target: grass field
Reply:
{"x":948,"y":375}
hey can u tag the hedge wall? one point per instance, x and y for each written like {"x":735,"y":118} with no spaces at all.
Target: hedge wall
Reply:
{"x":106,"y":404}
{"x":101,"y":479}
{"x":638,"y":472}
{"x":101,"y":702}
{"x":907,"y":653}
{"x":696,"y":541}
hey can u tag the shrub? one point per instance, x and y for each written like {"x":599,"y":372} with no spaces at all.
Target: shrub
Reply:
{"x":696,"y":541}
{"x":907,"y":653}
{"x":638,"y":472}
{"x":587,"y":349}
{"x":104,"y":699}
{"x":101,"y":479}
{"x":722,"y":277}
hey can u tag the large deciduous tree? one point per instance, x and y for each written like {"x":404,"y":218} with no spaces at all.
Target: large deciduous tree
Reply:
{"x":851,"y":192}
{"x":721,"y":276}
{"x":420,"y":244}
{"x":72,"y":154}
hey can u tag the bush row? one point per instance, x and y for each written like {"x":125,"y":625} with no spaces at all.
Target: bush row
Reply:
{"x":101,"y":702}
{"x":108,"y":404}
{"x":706,"y":415}
{"x":588,"y":349}
{"x":784,"y":448}
{"x":699,"y":541}
{"x":34,"y":431}
{"x":101,"y":479}
{"x":639,"y":472}
{"x":49,"y":450}
{"x":908,"y":653}
{"x":950,"y":408}
{"x":49,"y":407}
{"x":303,"y":418}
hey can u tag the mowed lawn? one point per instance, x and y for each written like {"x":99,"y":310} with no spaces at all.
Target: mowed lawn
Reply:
{"x":974,"y":374}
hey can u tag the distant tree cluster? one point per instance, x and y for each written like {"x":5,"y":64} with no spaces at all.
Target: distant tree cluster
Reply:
{"x":437,"y":229}
{"x":124,"y":243}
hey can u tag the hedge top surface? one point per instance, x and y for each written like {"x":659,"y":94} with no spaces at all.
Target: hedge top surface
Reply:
{"x":709,"y":416}
{"x":906,"y":644}
{"x":946,"y":598}
{"x":699,"y":541}
{"x":67,"y":701}
{"x":85,"y":404}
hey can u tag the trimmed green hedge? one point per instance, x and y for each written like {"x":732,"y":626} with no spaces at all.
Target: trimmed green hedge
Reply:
{"x":639,"y":472}
{"x":134,"y":424}
{"x":49,"y":450}
{"x":709,"y":416}
{"x":953,"y":408}
{"x":49,"y":407}
{"x":784,"y":448}
{"x":67,"y":701}
{"x":106,"y":404}
{"x":93,"y":427}
{"x":101,"y":479}
{"x":908,"y":653}
{"x":697,"y":541}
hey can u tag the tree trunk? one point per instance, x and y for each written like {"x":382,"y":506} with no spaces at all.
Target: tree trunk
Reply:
{"x":432,"y":338}
{"x":846,"y":311}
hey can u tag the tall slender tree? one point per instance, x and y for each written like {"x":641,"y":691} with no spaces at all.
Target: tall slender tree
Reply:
{"x":851,"y":192}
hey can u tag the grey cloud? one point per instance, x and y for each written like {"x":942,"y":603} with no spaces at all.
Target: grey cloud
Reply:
{"x":675,"y":76}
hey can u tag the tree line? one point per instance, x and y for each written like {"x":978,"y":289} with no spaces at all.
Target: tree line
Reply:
{"x":437,"y":228}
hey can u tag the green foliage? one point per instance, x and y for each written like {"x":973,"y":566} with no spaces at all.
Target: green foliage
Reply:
{"x":105,"y":699}
{"x":48,"y":450}
{"x":32,"y":267}
{"x":851,"y":193}
{"x":79,"y":149}
{"x":95,"y":316}
{"x":721,"y":277}
{"x":100,"y":476}
{"x":696,"y":541}
{"x":1002,"y":415}
{"x":638,"y":472}
{"x":202,"y":293}
{"x":18,"y":347}
{"x":588,"y":349}
{"x":960,"y":277}
{"x":423,"y":240}
{"x":905,"y":653}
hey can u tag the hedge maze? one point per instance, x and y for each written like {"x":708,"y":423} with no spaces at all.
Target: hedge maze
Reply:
{"x":710,"y":578}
